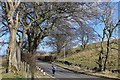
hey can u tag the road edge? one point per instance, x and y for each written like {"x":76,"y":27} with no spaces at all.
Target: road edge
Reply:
{"x":87,"y":73}
{"x":48,"y":74}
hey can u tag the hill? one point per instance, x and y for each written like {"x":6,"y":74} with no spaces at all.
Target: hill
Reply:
{"x":87,"y":59}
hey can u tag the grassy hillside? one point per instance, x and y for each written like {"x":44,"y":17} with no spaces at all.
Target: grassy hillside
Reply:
{"x":86,"y":59}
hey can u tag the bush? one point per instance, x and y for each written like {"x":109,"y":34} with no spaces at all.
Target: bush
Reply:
{"x":68,"y":63}
{"x":96,"y":69}
{"x":47,"y":58}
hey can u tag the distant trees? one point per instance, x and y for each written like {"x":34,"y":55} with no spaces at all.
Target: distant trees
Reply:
{"x":85,"y":35}
{"x":59,"y":41}
{"x":58,"y":38}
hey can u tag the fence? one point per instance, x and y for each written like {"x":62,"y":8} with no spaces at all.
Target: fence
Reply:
{"x":27,"y":71}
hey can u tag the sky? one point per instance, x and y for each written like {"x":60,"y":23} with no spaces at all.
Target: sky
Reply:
{"x":98,"y":28}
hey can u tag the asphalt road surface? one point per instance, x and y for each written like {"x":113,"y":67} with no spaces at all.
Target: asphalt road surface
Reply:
{"x":63,"y":74}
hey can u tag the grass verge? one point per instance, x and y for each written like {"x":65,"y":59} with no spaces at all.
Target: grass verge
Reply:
{"x":88,"y":72}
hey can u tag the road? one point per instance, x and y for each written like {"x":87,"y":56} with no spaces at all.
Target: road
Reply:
{"x":63,"y":74}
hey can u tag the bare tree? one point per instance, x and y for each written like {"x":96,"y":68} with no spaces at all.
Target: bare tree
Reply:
{"x":58,"y":39}
{"x":85,"y":35}
{"x":12,"y":26}
{"x":109,"y":27}
{"x":11,"y":23}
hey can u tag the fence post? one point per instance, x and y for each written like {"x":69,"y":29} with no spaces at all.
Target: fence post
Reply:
{"x":24,"y":66}
{"x":30,"y":72}
{"x":22,"y":69}
{"x":25,"y":69}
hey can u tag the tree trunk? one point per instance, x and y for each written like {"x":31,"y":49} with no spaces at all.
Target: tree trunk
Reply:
{"x":12,"y":46}
{"x":18,"y":57}
{"x":107,"y":53}
{"x":14,"y":52}
{"x":83,"y":46}
{"x":100,"y":61}
{"x":101,"y":52}
{"x":100,"y":57}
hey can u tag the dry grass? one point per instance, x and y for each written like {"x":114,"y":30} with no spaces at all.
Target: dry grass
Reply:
{"x":87,"y":59}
